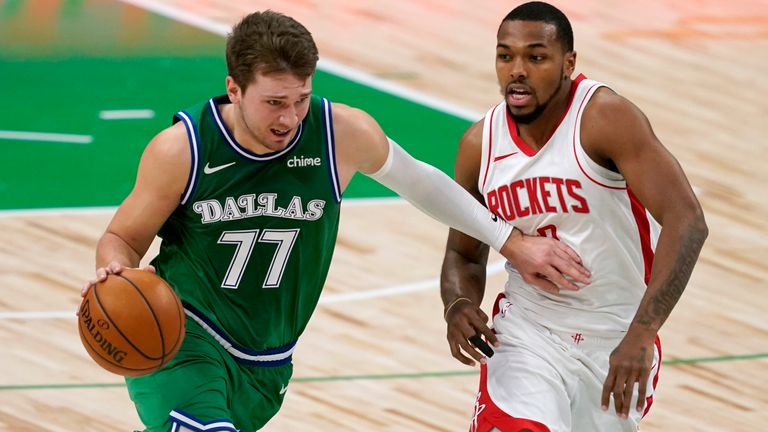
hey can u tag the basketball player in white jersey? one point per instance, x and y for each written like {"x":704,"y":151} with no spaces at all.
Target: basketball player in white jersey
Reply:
{"x":568,"y":158}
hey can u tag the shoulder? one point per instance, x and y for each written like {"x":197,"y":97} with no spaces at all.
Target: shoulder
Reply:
{"x":609,"y":110}
{"x":606,"y":103}
{"x":611,"y":122}
{"x":350,"y":122}
{"x":171,"y":144}
{"x":361,"y":144}
{"x":471,"y":146}
{"x":468,"y":157}
{"x":167,"y":160}
{"x":473,"y":136}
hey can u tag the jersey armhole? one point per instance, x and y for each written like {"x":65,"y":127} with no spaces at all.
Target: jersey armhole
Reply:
{"x":194,"y":150}
{"x":486,"y":150}
{"x":330,"y":148}
{"x":596,"y":173}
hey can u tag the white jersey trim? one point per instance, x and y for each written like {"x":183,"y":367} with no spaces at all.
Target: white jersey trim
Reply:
{"x":242,"y":150}
{"x":330,"y":141}
{"x":486,"y":157}
{"x":276,"y":355}
{"x":194,"y":155}
{"x":180,"y":420}
{"x":591,"y":169}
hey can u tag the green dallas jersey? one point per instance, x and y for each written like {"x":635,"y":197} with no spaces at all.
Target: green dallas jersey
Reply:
{"x":249,"y":247}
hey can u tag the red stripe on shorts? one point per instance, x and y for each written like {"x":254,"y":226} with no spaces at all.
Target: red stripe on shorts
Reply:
{"x":488,"y":416}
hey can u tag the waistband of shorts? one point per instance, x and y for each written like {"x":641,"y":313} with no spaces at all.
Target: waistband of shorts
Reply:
{"x":267,"y":358}
{"x":576,"y":338}
{"x":573,"y":337}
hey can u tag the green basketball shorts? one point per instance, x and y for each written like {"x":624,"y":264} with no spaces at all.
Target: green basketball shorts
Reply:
{"x":205,"y":386}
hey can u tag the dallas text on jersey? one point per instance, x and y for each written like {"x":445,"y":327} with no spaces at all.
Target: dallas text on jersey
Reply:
{"x":247,"y":206}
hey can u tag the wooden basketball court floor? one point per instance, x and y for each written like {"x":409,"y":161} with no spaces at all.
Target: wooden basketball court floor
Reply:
{"x":374,"y":356}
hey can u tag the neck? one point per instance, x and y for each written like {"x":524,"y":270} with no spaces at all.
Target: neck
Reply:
{"x":538,"y":131}
{"x":233,"y":118}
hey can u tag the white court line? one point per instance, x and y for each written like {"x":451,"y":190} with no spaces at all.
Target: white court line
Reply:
{"x":357,"y":202}
{"x":427,"y":284}
{"x":390,"y":291}
{"x":37,"y":315}
{"x":66,"y":211}
{"x":324,"y":299}
{"x":62,"y":211}
{"x":126,"y":114}
{"x":330,"y":66}
{"x":45,"y":136}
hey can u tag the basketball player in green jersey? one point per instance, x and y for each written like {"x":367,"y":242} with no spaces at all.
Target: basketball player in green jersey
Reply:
{"x":245,"y":191}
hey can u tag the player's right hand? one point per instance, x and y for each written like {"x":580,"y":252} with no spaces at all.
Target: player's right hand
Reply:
{"x":465,"y":320}
{"x":113,"y":267}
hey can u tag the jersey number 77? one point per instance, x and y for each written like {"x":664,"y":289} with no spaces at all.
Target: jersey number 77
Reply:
{"x":245,"y":241}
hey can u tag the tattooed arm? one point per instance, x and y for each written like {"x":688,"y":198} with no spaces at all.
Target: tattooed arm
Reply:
{"x":617,"y":135}
{"x":668,"y":281}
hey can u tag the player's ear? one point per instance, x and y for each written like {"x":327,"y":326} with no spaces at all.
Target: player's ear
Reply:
{"x":569,"y":64}
{"x":233,"y":90}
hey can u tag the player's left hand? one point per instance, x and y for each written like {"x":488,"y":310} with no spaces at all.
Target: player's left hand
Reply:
{"x":545,"y":262}
{"x":629,"y":363}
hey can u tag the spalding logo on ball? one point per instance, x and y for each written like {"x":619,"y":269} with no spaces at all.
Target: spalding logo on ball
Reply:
{"x":132,"y":323}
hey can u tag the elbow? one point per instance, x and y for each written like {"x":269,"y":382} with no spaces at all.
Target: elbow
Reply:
{"x":703,"y":228}
{"x":698,"y":227}
{"x":699,"y":221}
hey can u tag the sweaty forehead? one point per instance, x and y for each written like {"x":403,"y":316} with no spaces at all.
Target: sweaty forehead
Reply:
{"x":518,"y":33}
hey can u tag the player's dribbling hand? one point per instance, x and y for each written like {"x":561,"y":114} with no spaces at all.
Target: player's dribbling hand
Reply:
{"x":466,"y":320}
{"x":545,"y":262}
{"x":102,"y":272}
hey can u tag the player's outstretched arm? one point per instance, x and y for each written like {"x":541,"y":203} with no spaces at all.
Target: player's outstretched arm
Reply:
{"x":160,"y":181}
{"x":614,"y":131}
{"x":362,"y":146}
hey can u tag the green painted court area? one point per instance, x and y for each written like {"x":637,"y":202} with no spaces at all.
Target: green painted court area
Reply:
{"x":66,"y":64}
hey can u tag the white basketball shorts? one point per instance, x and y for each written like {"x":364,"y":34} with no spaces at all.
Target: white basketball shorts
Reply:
{"x":544,"y":381}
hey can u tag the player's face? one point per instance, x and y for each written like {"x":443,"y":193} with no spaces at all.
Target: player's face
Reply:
{"x":271,"y":108}
{"x":531,"y":67}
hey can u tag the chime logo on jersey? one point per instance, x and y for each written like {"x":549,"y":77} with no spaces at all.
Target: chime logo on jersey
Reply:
{"x":537,"y":195}
{"x":302,"y":161}
{"x":247,"y":206}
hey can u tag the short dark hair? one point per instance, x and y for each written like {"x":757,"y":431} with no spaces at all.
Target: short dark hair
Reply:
{"x":269,"y":42}
{"x":545,"y":12}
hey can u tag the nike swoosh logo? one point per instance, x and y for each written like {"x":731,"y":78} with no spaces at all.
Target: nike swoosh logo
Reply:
{"x":211,"y":170}
{"x":283,"y":389}
{"x":498,"y":158}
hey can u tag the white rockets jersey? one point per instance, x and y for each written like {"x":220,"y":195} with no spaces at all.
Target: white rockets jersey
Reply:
{"x":560,"y":192}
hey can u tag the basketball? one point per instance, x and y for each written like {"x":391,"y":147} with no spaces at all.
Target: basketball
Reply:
{"x":132,"y":323}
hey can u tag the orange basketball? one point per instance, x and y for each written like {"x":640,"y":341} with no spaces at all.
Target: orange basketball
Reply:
{"x":132,"y":323}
